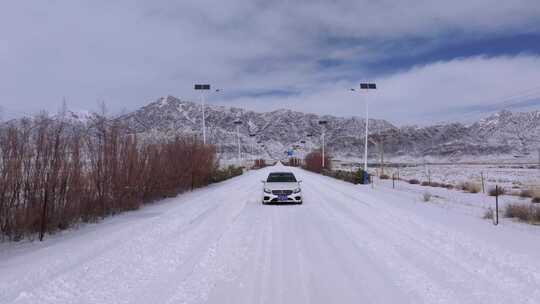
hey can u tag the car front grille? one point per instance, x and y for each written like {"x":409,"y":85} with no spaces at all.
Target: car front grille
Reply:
{"x":281,"y":192}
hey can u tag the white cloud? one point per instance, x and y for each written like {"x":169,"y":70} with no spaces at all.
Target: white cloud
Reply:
{"x":440,"y":90}
{"x":130,"y":52}
{"x":430,"y":93}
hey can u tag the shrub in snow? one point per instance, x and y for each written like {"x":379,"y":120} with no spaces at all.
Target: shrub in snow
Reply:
{"x":259,"y":163}
{"x":414,"y":181}
{"x":425,"y":184}
{"x":524,"y":212}
{"x":534,"y":194}
{"x":55,"y":175}
{"x":470,"y":187}
{"x":526,"y":193}
{"x":384,"y":176}
{"x":226,"y":173}
{"x":494,"y":191}
{"x":426,"y":196}
{"x":488,"y":214}
{"x":294,"y":162}
{"x":361,"y":177}
{"x":519,"y":211}
{"x":313,"y":162}
{"x":351,"y":177}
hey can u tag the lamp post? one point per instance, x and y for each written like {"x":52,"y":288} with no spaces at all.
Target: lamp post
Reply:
{"x":323,"y":123}
{"x":263,"y":148}
{"x":303,"y":142}
{"x":252,"y":135}
{"x":203,"y":88}
{"x":367,"y":87}
{"x":238,"y":122}
{"x":259,"y":146}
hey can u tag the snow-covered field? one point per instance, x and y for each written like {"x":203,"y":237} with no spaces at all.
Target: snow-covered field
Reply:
{"x":510,"y":176}
{"x":474,"y":204}
{"x":346,"y":244}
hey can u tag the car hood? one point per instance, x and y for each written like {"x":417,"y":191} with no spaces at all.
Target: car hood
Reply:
{"x":281,"y":186}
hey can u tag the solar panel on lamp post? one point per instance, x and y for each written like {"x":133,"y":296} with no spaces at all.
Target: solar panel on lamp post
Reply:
{"x":203,"y":88}
{"x":366,"y":87}
{"x":323,"y":123}
{"x":238,"y":123}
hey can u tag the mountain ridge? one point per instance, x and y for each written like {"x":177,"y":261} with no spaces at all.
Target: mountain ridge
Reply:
{"x":503,"y":135}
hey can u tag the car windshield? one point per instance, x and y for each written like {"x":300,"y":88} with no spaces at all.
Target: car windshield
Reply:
{"x":281,"y":177}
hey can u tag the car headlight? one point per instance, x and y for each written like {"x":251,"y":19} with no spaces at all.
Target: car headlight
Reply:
{"x":266,"y":190}
{"x":297,"y":190}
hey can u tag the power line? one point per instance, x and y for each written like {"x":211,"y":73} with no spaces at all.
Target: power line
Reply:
{"x":508,"y":101}
{"x":516,"y":98}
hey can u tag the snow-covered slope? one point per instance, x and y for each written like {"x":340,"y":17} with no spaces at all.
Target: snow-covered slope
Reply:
{"x":346,"y":244}
{"x":279,"y":130}
{"x":506,"y":135}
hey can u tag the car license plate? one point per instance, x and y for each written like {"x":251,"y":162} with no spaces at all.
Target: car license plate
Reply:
{"x":283,"y":198}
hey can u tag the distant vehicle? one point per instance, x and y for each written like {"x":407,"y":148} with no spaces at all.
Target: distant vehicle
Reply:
{"x":282,"y":187}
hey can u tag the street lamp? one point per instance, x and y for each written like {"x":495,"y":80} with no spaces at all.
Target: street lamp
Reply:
{"x":304,"y":152}
{"x":323,"y":123}
{"x":203,"y":88}
{"x":252,"y":135}
{"x":238,"y":122}
{"x":367,"y":87}
{"x":259,"y":146}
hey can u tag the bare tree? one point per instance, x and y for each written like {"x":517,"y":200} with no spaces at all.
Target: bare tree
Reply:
{"x":53,"y":175}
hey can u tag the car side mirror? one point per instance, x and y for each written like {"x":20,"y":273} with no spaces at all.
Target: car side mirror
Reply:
{"x":300,"y":181}
{"x":263,"y":181}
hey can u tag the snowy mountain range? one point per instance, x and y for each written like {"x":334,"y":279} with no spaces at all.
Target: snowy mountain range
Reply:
{"x":502,"y":136}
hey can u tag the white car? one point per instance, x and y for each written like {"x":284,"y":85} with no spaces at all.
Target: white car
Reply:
{"x":281,"y":187}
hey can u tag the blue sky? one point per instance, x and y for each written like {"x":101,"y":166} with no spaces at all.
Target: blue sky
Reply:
{"x":433,"y":60}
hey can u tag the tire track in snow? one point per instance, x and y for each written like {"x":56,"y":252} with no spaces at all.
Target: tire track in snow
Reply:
{"x":498,"y":269}
{"x":405,"y":229}
{"x":100,"y":268}
{"x":221,"y":262}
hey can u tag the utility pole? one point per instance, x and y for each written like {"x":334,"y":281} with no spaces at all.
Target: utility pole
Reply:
{"x":259,"y":146}
{"x":382,"y":155}
{"x":303,"y":142}
{"x":252,"y":136}
{"x":323,"y":123}
{"x":539,"y":158}
{"x":238,"y":122}
{"x":309,"y":136}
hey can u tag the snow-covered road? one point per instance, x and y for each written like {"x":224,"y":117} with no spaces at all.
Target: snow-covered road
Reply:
{"x":346,"y":244}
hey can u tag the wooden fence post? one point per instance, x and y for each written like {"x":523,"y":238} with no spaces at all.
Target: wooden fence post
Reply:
{"x":496,"y":205}
{"x":483,"y":185}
